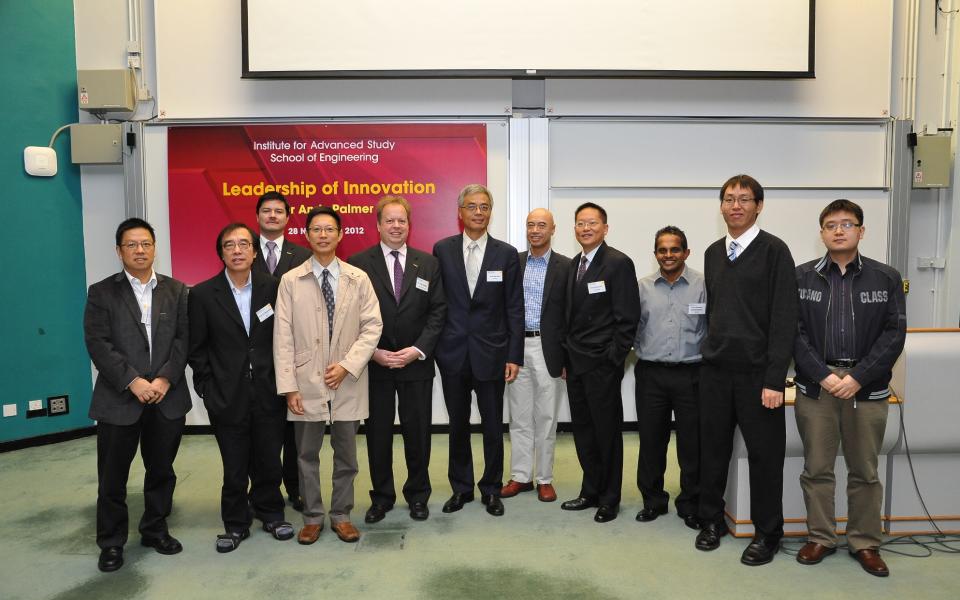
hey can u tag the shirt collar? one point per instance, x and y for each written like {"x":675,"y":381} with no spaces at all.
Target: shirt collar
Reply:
{"x":683,"y":277}
{"x":853,"y":266}
{"x":387,"y":250}
{"x":746,"y":237}
{"x":545,"y":257}
{"x":152,"y":282}
{"x":481,"y":241}
{"x":333,"y":268}
{"x":263,"y":246}
{"x":246,"y":285}
{"x":590,"y":255}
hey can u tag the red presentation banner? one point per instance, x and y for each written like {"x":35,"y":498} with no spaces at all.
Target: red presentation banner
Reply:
{"x":216,"y":175}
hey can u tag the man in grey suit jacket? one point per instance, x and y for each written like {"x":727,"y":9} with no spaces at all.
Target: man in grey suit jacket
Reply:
{"x":534,"y":397}
{"x":135,"y":326}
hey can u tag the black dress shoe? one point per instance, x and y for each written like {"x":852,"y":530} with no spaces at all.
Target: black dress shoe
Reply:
{"x":419,"y":511}
{"x":691,"y":521}
{"x":165,"y":544}
{"x":494,"y":504}
{"x":709,"y":536}
{"x":296,"y":502}
{"x":606,"y":513}
{"x":376,"y":513}
{"x":760,"y":551}
{"x":578,"y":503}
{"x":456,"y":501}
{"x":110,"y":559}
{"x":650,"y":514}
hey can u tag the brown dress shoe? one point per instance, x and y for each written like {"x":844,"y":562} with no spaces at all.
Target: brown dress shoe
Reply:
{"x":345,"y":531}
{"x":310,"y":533}
{"x":515,"y":487}
{"x":871,"y":562}
{"x":546,"y":493}
{"x":812,"y":553}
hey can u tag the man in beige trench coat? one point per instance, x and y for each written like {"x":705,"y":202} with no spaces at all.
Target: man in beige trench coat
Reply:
{"x":326,"y":329}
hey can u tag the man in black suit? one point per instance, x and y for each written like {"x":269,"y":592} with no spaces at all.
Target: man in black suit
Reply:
{"x":412,"y":306}
{"x":135,"y":326}
{"x":277,"y":256}
{"x":481,"y":347}
{"x":603,"y":310}
{"x":533,"y":397}
{"x":231,"y":353}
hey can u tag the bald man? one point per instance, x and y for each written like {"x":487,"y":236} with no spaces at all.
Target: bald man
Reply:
{"x":534,"y":396}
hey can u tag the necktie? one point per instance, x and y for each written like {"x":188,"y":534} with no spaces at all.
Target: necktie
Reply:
{"x":327,"y":290}
{"x":473,"y":266}
{"x":734,"y":250}
{"x":271,"y":257}
{"x":397,"y":274}
{"x":582,"y":269}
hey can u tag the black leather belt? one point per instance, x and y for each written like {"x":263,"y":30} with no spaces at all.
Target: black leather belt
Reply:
{"x":534,"y":333}
{"x":654,"y":363}
{"x":843,"y":363}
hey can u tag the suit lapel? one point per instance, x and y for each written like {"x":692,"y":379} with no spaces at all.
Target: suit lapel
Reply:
{"x":410,"y":273}
{"x":158,"y":303}
{"x":130,"y":300}
{"x":258,"y":299}
{"x":548,"y":278}
{"x":460,"y":268}
{"x":225,"y":298}
{"x":484,"y":265}
{"x":379,"y":265}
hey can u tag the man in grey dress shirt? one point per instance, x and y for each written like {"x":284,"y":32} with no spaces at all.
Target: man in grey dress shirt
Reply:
{"x":672,"y":325}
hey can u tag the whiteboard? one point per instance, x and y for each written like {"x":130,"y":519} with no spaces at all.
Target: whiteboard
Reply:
{"x":373,"y":38}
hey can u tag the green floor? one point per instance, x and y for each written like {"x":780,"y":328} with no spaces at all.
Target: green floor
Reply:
{"x":535,"y":550}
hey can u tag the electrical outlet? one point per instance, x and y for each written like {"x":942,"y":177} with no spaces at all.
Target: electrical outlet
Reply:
{"x":35,"y":409}
{"x":58,"y":405}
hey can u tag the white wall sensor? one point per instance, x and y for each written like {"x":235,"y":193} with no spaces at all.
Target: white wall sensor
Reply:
{"x":40,"y":161}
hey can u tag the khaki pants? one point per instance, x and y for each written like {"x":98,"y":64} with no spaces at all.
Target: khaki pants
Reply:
{"x":309,"y":435}
{"x":825,"y":424}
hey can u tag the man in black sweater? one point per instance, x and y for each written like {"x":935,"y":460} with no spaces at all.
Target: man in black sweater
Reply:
{"x":752,"y":317}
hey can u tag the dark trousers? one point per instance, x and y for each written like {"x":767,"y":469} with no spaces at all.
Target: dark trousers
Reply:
{"x":291,"y":474}
{"x":729,"y":399}
{"x":596,"y":417}
{"x":456,"y":395}
{"x":661,"y":390}
{"x":415,"y":407}
{"x":159,"y":440}
{"x":250,"y":452}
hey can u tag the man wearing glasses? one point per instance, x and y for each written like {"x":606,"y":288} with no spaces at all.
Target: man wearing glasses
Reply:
{"x":603,"y":309}
{"x":135,"y":327}
{"x":852,"y":329}
{"x":327,"y":327}
{"x":481,"y":347}
{"x":751,"y":324}
{"x":231,"y":353}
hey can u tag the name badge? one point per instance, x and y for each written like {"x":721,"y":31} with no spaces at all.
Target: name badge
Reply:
{"x":423,"y":284}
{"x":265,"y":313}
{"x":596,"y":287}
{"x":494,"y":276}
{"x":697,"y":308}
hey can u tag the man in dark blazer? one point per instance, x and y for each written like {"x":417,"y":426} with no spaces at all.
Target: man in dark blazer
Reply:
{"x":135,"y":326}
{"x":481,"y":347}
{"x":412,"y":305}
{"x":276,"y":256}
{"x":534,"y":397}
{"x":231,"y":353}
{"x":603,"y":310}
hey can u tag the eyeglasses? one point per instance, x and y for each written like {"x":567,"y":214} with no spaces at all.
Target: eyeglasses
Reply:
{"x":742,"y":200}
{"x":132,"y":246}
{"x":317,"y":230}
{"x":586,"y":224}
{"x":242,"y":244}
{"x":483,"y":208}
{"x":845,"y":225}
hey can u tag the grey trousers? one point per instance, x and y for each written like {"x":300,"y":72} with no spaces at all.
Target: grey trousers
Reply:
{"x":825,"y":424}
{"x":309,"y":437}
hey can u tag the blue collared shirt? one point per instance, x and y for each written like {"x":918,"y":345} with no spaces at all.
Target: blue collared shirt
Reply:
{"x":668,"y":332}
{"x":534,"y":276}
{"x":242,"y":296}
